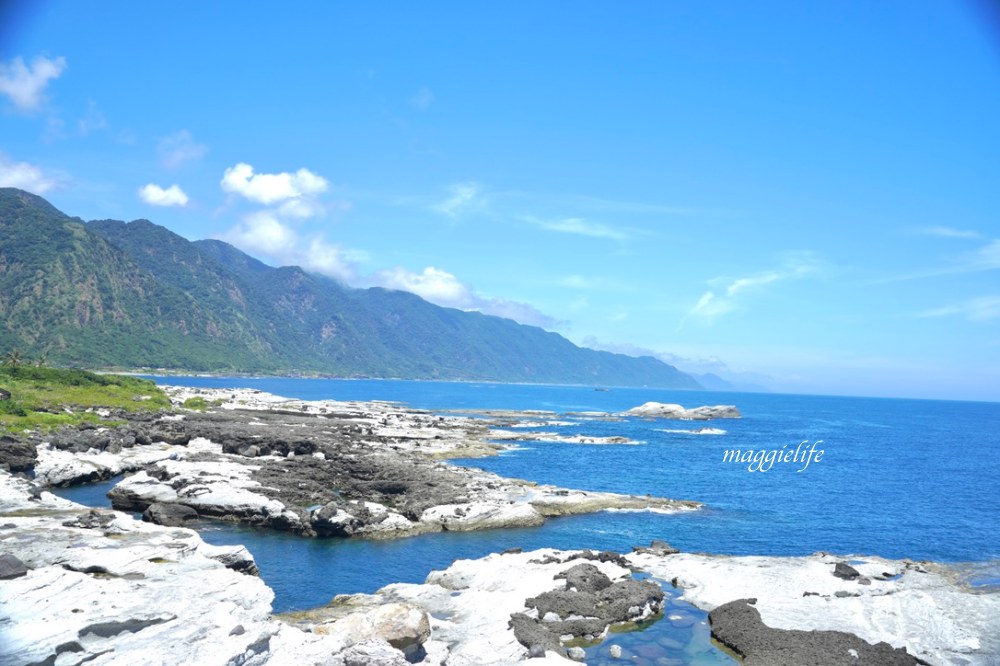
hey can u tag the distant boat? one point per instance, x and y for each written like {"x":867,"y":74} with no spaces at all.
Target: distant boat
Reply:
{"x":602,"y":389}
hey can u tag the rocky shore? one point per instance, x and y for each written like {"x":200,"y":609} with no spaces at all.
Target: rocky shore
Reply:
{"x":324,"y":468}
{"x":79,"y":585}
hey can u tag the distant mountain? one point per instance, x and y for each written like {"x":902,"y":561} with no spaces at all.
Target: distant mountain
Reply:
{"x":116,"y":294}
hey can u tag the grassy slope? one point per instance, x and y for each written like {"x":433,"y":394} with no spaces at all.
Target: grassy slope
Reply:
{"x":50,"y":397}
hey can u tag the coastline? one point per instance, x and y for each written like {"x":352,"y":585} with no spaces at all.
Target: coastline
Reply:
{"x":100,"y":587}
{"x":463,"y":615}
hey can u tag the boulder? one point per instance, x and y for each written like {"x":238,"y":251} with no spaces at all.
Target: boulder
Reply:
{"x":11,"y":567}
{"x":846,"y":571}
{"x":17,"y":455}
{"x":170,"y":515}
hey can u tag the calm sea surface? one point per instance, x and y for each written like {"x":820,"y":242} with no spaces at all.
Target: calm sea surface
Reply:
{"x":898,"y":478}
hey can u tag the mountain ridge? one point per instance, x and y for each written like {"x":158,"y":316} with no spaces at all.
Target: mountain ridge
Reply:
{"x":109,"y":293}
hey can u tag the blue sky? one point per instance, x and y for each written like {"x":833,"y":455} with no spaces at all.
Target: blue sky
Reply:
{"x":806,"y":195}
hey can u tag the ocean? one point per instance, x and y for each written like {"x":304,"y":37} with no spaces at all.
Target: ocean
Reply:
{"x":915,"y":479}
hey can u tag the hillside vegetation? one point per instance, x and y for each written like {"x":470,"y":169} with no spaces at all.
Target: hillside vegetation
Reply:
{"x":110,"y":294}
{"x":50,"y":397}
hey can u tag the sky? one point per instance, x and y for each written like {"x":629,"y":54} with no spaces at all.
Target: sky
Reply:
{"x":799,"y":195}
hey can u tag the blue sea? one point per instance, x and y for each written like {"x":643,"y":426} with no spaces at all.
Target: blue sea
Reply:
{"x":915,"y":479}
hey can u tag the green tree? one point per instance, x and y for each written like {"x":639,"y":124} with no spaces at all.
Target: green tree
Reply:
{"x":13,"y":358}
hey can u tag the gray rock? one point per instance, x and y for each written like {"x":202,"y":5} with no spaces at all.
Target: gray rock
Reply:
{"x":170,"y":515}
{"x":738,"y":626}
{"x":656,"y":547}
{"x":17,"y":455}
{"x":534,"y":636}
{"x":577,"y":653}
{"x":845,"y":571}
{"x":11,"y":567}
{"x":585,"y":577}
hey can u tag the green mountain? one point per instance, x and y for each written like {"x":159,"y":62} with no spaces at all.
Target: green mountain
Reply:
{"x":115,"y":294}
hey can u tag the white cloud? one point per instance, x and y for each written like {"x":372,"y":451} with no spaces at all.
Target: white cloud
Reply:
{"x":423,"y":98}
{"x":270,"y":188}
{"x":949,"y":232}
{"x":464,"y":197}
{"x":728,"y":291}
{"x":443,"y":288}
{"x":432,"y":284}
{"x":178,"y":148}
{"x":301,"y":208}
{"x":263,"y":234}
{"x":155,"y":195}
{"x":24,"y":84}
{"x":578,"y":226}
{"x":981,"y":309}
{"x":25,"y":176}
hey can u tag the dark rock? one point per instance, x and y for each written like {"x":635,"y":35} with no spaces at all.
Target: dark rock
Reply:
{"x":592,"y":601}
{"x":171,"y":515}
{"x":627,"y":599}
{"x":534,"y":636}
{"x":845,"y":571}
{"x":656,"y":547}
{"x":17,"y":455}
{"x":11,"y":567}
{"x":585,"y":578}
{"x":738,"y":626}
{"x":512,"y":551}
{"x":564,"y":603}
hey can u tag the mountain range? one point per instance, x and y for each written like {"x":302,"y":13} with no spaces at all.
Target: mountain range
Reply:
{"x":111,"y":294}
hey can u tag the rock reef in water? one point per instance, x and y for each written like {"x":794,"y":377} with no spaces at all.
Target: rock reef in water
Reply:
{"x":661,"y":410}
{"x":325,"y":469}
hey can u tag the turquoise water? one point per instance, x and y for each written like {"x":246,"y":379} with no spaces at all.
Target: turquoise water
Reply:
{"x":899,"y":478}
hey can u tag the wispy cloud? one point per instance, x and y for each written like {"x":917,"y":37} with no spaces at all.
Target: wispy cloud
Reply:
{"x":984,"y":258}
{"x":443,"y":288}
{"x":727,"y":294}
{"x":155,"y":195}
{"x":422,"y":99}
{"x":25,"y":176}
{"x":180,"y":147}
{"x":949,"y":232}
{"x":93,"y":121}
{"x":986,"y":308}
{"x":25,"y":84}
{"x":578,"y":226}
{"x":463,"y":198}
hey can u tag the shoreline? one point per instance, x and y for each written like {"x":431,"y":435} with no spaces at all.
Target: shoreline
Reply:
{"x":507,"y":607}
{"x":99,"y":586}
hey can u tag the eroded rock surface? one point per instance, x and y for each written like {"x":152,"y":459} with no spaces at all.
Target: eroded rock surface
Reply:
{"x":323,"y":468}
{"x":738,"y":626}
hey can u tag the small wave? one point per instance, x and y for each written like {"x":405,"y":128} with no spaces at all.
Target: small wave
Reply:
{"x":699,"y":431}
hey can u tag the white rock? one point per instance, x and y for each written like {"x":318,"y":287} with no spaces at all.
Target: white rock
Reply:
{"x":659,"y":410}
{"x":928,"y":613}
